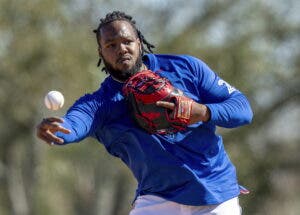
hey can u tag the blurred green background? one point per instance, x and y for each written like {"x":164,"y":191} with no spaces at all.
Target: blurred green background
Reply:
{"x":49,"y":45}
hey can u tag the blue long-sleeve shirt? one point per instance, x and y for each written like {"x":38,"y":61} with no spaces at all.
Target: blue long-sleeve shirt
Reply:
{"x":189,"y":167}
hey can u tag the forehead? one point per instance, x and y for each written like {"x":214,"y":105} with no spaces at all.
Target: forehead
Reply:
{"x":117,"y":29}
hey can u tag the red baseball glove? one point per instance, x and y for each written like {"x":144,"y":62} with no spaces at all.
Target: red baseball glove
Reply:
{"x":143,"y":90}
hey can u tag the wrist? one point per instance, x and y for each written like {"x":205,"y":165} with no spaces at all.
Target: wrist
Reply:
{"x":199,"y":113}
{"x":206,"y":113}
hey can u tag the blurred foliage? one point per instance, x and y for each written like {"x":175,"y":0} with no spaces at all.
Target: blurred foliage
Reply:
{"x":47,"y":45}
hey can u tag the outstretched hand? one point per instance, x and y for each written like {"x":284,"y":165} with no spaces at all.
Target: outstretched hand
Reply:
{"x":46,"y":129}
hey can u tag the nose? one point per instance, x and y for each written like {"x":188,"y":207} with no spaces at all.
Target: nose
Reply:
{"x":122,"y":49}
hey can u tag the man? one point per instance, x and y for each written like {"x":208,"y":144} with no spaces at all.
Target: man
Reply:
{"x":186,"y":172}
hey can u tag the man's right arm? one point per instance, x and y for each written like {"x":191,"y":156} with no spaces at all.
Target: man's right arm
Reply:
{"x":74,"y":126}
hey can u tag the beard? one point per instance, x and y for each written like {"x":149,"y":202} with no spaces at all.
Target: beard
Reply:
{"x":123,"y":75}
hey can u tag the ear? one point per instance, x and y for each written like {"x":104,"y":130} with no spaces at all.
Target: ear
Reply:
{"x":140,"y":44}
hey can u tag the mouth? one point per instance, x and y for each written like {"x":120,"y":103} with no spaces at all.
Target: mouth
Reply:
{"x":124,"y":59}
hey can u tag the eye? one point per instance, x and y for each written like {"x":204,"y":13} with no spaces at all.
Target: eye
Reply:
{"x":111,"y":45}
{"x":127,"y":42}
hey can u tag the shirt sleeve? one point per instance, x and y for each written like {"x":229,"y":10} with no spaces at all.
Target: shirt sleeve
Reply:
{"x":80,"y":119}
{"x":228,"y":106}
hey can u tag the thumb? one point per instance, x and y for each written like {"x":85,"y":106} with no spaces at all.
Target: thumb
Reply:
{"x":165,"y":104}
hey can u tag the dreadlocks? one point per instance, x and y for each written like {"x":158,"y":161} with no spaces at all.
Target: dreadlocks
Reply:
{"x":118,"y":15}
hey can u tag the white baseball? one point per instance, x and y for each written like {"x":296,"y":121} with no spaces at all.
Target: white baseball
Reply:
{"x":54,"y":100}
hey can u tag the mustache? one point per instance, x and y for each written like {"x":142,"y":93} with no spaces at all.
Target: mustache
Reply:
{"x":125,"y":57}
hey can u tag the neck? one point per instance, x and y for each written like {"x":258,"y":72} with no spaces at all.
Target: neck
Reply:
{"x":143,"y":67}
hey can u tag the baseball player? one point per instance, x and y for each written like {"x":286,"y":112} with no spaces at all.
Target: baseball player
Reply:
{"x":180,"y":171}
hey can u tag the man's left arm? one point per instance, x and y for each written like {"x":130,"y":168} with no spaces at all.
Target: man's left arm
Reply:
{"x":220,"y":103}
{"x":227,"y":106}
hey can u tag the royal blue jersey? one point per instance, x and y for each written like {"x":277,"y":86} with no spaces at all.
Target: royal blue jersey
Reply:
{"x":189,"y":167}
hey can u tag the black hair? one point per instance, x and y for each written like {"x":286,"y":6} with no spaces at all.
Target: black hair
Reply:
{"x":119,"y":15}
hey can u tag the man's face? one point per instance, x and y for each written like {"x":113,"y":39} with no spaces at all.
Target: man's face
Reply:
{"x":120,"y":49}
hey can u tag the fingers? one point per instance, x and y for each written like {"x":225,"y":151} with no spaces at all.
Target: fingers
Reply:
{"x":47,"y":128}
{"x":50,"y":138}
{"x":165,"y":104}
{"x":53,"y":124}
{"x":56,"y":127}
{"x":53,"y":119}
